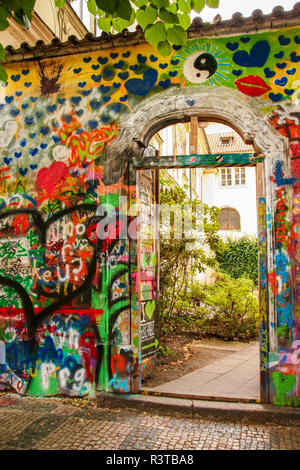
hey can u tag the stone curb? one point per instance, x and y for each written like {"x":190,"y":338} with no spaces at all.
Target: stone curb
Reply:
{"x":202,"y":409}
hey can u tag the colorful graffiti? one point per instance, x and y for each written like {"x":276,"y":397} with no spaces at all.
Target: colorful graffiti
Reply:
{"x":77,"y":309}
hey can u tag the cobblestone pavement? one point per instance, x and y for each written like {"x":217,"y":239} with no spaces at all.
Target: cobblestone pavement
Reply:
{"x":75,"y":424}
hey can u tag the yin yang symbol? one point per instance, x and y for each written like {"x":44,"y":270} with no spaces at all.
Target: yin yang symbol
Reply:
{"x":199,"y":67}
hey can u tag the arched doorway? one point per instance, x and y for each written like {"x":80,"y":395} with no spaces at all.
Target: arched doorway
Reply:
{"x":241,"y":113}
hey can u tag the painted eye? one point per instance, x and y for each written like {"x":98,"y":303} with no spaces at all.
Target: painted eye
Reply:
{"x":199,"y":67}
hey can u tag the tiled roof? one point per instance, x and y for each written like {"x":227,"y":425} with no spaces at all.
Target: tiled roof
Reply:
{"x":237,"y":144}
{"x":279,"y":18}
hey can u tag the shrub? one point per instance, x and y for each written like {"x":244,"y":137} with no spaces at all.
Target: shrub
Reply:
{"x":240,"y":258}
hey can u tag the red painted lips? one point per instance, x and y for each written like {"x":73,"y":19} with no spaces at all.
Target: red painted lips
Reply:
{"x":252,"y":85}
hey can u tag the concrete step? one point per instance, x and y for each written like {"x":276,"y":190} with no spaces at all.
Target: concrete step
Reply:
{"x":232,"y":411}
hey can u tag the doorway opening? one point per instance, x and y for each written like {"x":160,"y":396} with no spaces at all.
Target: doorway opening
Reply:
{"x":205,"y":309}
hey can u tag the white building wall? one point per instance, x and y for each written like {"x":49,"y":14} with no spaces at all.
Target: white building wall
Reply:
{"x":241,"y":198}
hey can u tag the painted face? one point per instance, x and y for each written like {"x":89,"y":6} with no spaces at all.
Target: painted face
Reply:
{"x":199,"y":67}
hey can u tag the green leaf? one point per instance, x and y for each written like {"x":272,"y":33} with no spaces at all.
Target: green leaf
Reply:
{"x":104,"y":23}
{"x":198,"y":5}
{"x":107,"y":6}
{"x":124,"y":9}
{"x":173,"y":8}
{"x":155,"y":33}
{"x":3,"y":75}
{"x":164,"y":48}
{"x":167,"y":16}
{"x":3,"y":19}
{"x":92,"y":7}
{"x":2,"y":52}
{"x":119,"y":24}
{"x":176,"y":35}
{"x":141,"y":3}
{"x":60,"y":3}
{"x":146,"y":16}
{"x":213,"y":3}
{"x":184,"y":5}
{"x":160,"y":3}
{"x":184,"y":20}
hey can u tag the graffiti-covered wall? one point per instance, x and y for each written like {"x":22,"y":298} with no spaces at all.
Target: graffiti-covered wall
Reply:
{"x":70,"y":301}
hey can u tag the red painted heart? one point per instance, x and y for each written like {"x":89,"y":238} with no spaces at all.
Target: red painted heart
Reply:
{"x":49,"y":178}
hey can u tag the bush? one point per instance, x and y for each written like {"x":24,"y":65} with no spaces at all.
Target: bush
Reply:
{"x":227,"y":310}
{"x":239,"y":260}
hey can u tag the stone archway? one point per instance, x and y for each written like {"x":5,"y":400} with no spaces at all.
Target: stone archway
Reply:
{"x":244,"y":115}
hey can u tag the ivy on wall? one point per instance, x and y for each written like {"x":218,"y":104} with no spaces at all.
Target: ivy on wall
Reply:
{"x":240,"y":258}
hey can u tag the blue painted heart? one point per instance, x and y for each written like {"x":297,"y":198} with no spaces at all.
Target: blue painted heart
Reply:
{"x":281,"y":65}
{"x":104,"y":89}
{"x":165,"y":83}
{"x":174,"y":61}
{"x":124,"y":98}
{"x":269,"y":73}
{"x":126,"y":54}
{"x":275,"y":97}
{"x":19,"y":93}
{"x":163,"y":66}
{"x":141,"y":58}
{"x":114,"y":55}
{"x":289,"y":92}
{"x":283,"y":40}
{"x":23,"y":171}
{"x":28,"y":84}
{"x":95,"y":66}
{"x":232,"y":46}
{"x":94,"y":104}
{"x":44,"y":130}
{"x":76,"y":100}
{"x":176,"y":47}
{"x":33,"y":151}
{"x":257,"y":56}
{"x":190,"y":102}
{"x":7,"y":160}
{"x":119,"y":65}
{"x":153,"y":58}
{"x":78,"y":70}
{"x":245,"y":39}
{"x":93,"y":124}
{"x":173,"y":74}
{"x":18,"y":154}
{"x":123,"y":75}
{"x":279,"y":55}
{"x":116,"y":85}
{"x":141,"y":87}
{"x":51,"y":108}
{"x":281,"y":81}
{"x":291,"y":71}
{"x":15,"y":78}
{"x":96,"y":78}
{"x":295,"y":57}
{"x":14,"y":112}
{"x":25,"y":72}
{"x":237,"y":73}
{"x":87,"y":59}
{"x":33,"y":167}
{"x":102,"y":60}
{"x":81,"y":84}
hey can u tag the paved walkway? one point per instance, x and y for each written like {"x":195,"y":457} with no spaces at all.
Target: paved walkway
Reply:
{"x":235,"y":376}
{"x":57,"y":424}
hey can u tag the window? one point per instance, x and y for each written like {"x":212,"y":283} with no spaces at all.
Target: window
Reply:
{"x":226,"y":179}
{"x":233,"y":176}
{"x":240,"y":176}
{"x":226,"y":140}
{"x":229,"y":219}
